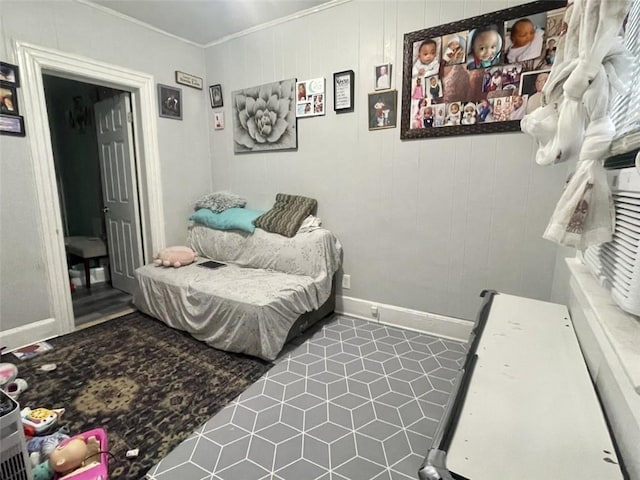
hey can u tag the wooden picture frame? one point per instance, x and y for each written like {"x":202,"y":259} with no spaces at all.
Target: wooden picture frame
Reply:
{"x":215,"y":94}
{"x":383,"y":109}
{"x":9,"y":74}
{"x":466,"y":76}
{"x":12,"y":125}
{"x":343,"y":91}
{"x":169,"y":102}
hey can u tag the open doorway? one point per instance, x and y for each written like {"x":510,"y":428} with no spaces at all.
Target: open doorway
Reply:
{"x":37,"y":61}
{"x":80,"y":181}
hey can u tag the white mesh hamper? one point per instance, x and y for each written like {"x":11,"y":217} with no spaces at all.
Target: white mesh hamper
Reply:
{"x":14,"y":460}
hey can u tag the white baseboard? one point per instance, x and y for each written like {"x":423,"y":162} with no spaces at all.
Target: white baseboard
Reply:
{"x":28,"y":334}
{"x":430,"y":323}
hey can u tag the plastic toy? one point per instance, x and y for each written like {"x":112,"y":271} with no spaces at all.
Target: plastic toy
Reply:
{"x":82,"y":457}
{"x":175,"y":256}
{"x":40,"y":420}
{"x":39,"y":448}
{"x":8,"y":373}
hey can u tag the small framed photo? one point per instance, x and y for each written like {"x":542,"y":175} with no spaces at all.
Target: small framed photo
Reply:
{"x":382,"y":109}
{"x":215,"y":93}
{"x":12,"y":125}
{"x":343,"y":91}
{"x":383,"y":77}
{"x":9,"y":74}
{"x":169,"y":102}
{"x":8,"y":100}
{"x":188,"y":80}
{"x":218,"y":120}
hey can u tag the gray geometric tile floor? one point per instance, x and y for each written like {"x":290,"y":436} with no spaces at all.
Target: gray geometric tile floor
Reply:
{"x":356,"y":401}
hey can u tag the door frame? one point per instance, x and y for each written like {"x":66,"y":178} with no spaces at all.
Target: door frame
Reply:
{"x":34,"y":61}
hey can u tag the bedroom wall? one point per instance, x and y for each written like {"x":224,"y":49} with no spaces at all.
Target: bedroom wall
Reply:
{"x":425,"y":224}
{"x":184,"y":153}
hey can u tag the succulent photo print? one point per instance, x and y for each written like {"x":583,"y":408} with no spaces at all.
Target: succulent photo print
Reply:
{"x":264,"y":117}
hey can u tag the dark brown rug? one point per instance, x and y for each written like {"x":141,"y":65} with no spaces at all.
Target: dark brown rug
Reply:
{"x":149,"y":386}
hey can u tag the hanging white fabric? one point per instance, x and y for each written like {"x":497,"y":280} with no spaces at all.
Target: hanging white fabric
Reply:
{"x":574,"y":125}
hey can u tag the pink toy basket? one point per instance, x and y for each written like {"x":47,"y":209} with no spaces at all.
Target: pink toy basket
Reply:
{"x":95,"y":470}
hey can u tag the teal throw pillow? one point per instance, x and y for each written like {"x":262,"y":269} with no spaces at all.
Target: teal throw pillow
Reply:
{"x":230,"y":219}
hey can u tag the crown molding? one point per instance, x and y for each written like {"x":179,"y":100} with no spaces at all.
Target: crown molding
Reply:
{"x":278,"y":21}
{"x":122,"y":16}
{"x":248,"y":31}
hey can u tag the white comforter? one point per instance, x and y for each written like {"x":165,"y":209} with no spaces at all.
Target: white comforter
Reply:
{"x":249,"y":305}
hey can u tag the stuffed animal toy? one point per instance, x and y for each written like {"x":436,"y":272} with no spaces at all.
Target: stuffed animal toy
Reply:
{"x":175,"y":257}
{"x":43,"y":471}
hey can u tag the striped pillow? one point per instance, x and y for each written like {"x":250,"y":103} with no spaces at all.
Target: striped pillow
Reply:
{"x":287,"y":214}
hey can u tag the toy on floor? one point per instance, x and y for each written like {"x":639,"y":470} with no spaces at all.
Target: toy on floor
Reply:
{"x":40,"y":421}
{"x":9,"y":383}
{"x":39,"y":448}
{"x":8,"y":373}
{"x":82,"y":457}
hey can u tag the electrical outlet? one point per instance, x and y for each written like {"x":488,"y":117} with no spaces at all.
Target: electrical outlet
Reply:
{"x":346,"y":282}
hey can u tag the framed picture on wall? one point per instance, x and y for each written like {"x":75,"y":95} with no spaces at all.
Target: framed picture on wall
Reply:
{"x":215,"y":93}
{"x":383,"y":77}
{"x":9,"y":74}
{"x":188,"y":80}
{"x":12,"y":125}
{"x":277,"y":128}
{"x":382,"y":109}
{"x":343,"y":91}
{"x":8,"y":100}
{"x":310,"y":97}
{"x":476,"y":76}
{"x":169,"y":102}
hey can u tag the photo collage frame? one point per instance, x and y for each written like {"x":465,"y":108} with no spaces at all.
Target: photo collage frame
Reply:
{"x":310,"y":98}
{"x":481,"y":74}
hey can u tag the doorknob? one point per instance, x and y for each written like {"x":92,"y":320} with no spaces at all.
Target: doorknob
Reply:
{"x":105,"y":209}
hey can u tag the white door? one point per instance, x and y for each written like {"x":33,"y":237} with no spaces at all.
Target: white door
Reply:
{"x":115,"y":145}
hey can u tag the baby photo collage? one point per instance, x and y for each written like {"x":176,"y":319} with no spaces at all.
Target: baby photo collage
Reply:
{"x":310,"y":98}
{"x":493,"y":73}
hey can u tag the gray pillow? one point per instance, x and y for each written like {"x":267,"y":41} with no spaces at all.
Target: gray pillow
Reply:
{"x":220,"y":201}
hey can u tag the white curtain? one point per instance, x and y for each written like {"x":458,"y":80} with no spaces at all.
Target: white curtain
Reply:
{"x":573,"y":122}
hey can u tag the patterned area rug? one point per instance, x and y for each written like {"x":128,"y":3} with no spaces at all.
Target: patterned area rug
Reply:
{"x":149,"y":386}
